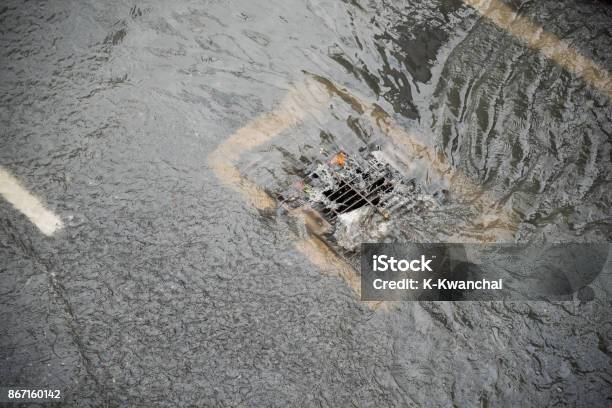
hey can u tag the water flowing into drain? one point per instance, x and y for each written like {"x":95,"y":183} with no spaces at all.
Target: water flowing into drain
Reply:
{"x":350,"y":195}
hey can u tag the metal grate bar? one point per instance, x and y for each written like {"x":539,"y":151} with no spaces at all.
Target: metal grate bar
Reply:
{"x":357,"y":183}
{"x":365,"y":175}
{"x":368,"y":201}
{"x":353,"y":188}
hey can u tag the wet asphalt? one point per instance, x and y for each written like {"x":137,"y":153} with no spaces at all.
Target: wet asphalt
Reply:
{"x":167,"y":288}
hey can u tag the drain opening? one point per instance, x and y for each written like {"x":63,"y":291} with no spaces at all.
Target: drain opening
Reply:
{"x":348,"y":196}
{"x":347,"y":200}
{"x":347,"y":183}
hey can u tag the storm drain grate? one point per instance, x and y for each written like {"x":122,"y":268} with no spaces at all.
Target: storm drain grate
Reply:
{"x":346,"y":183}
{"x":351,"y":186}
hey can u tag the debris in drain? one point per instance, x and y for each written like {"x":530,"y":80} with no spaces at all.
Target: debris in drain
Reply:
{"x":351,"y":199}
{"x":339,"y":159}
{"x":360,"y":225}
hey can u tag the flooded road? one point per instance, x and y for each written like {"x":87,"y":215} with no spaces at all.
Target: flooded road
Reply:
{"x":168,"y":286}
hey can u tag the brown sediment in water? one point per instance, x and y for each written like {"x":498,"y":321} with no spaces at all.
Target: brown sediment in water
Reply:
{"x":551,"y":46}
{"x":291,"y":111}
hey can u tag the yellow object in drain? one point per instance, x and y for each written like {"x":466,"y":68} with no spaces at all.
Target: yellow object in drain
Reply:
{"x":339,"y":159}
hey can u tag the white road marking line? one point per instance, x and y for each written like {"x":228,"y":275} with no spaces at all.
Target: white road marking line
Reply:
{"x":47,"y":222}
